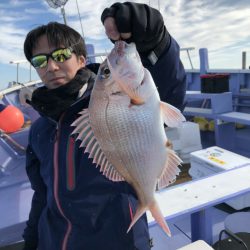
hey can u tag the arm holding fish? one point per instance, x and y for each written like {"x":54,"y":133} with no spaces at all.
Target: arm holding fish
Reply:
{"x":158,"y":50}
{"x":38,"y":201}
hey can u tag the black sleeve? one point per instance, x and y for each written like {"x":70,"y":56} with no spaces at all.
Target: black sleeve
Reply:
{"x":146,"y":25}
{"x":93,"y":67}
{"x":169,"y":75}
{"x":30,"y":234}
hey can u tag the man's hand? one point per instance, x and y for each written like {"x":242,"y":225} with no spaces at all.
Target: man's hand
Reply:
{"x":112,"y":31}
{"x":138,"y":23}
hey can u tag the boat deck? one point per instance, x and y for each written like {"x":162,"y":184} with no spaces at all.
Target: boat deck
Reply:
{"x":181,"y":231}
{"x":180,"y":228}
{"x":14,"y":212}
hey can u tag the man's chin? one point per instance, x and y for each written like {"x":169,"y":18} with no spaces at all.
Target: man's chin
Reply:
{"x":56,"y":84}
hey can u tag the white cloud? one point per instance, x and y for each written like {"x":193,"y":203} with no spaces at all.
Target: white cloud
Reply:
{"x":11,"y":43}
{"x":34,"y":11}
{"x":217,"y":27}
{"x":221,"y":26}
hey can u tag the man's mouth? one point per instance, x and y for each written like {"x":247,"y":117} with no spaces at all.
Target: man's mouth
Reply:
{"x":56,"y":79}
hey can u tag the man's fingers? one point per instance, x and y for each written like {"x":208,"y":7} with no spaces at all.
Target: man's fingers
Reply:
{"x":111,"y":29}
{"x":125,"y":36}
{"x":112,"y":32}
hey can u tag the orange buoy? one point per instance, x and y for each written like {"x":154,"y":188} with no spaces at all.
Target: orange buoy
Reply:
{"x":11,"y":118}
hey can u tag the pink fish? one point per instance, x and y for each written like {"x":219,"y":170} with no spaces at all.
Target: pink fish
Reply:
{"x":123,"y":129}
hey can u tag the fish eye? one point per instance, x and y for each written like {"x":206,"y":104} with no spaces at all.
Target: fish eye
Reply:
{"x":105,"y":73}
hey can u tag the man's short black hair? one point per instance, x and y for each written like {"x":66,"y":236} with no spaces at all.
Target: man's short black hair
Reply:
{"x":57,"y":34}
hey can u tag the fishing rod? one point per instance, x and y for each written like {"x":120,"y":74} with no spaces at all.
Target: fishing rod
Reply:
{"x":58,"y":4}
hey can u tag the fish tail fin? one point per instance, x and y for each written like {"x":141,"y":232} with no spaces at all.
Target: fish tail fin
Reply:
{"x":139,"y":212}
{"x":158,"y":216}
{"x":156,"y":213}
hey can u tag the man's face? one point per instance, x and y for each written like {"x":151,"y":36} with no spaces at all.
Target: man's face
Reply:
{"x":56,"y":74}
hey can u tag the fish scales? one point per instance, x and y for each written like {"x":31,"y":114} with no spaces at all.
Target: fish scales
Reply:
{"x":134,"y":127}
{"x":126,"y":116}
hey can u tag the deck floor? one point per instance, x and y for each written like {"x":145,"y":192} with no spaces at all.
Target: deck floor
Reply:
{"x":14,"y":212}
{"x":181,"y":231}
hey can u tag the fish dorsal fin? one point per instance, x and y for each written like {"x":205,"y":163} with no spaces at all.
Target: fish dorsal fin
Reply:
{"x":171,"y":115}
{"x":86,"y":135}
{"x":171,"y":169}
{"x":134,"y":94}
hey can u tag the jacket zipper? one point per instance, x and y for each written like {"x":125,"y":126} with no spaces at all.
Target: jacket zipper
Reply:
{"x":70,"y":164}
{"x":56,"y":169}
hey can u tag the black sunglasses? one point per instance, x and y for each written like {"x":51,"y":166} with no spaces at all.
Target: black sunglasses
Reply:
{"x":58,"y":55}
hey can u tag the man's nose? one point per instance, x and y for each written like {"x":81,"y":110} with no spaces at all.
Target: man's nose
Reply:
{"x":52,"y":65}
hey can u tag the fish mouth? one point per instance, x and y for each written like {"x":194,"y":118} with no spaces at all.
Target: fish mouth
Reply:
{"x":121,"y":46}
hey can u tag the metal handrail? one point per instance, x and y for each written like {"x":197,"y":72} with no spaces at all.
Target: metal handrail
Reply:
{"x":189,"y":58}
{"x":11,"y":141}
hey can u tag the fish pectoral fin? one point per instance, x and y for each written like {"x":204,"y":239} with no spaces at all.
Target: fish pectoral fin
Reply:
{"x":134,"y":95}
{"x":169,"y":144}
{"x":86,"y":135}
{"x":136,"y":101}
{"x":170,"y":170}
{"x":171,"y":115}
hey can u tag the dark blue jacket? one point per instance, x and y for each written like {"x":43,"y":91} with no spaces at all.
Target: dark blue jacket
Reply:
{"x":74,"y":206}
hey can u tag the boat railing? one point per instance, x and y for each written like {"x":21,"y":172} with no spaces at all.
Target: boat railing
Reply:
{"x":13,"y":145}
{"x":187,"y":49}
{"x":17,"y":63}
{"x":18,"y":86}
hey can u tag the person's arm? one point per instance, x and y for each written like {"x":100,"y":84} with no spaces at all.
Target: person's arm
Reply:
{"x":169,"y":76}
{"x":143,"y":25}
{"x":30,"y":234}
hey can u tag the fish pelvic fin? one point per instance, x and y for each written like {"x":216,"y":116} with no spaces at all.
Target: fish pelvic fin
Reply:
{"x":92,"y":146}
{"x":170,"y":170}
{"x":171,"y":115}
{"x":158,"y":216}
{"x":139,"y":212}
{"x":135,"y":97}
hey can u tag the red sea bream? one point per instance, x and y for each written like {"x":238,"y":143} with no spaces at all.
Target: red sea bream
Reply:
{"x":123,"y":129}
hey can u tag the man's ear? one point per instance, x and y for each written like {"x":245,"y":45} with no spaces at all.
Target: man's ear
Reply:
{"x":82,"y":61}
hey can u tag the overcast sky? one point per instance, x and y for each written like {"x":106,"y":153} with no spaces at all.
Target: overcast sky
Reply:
{"x":222,"y":26}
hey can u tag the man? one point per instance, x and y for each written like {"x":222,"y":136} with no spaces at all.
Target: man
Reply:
{"x":74,"y":206}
